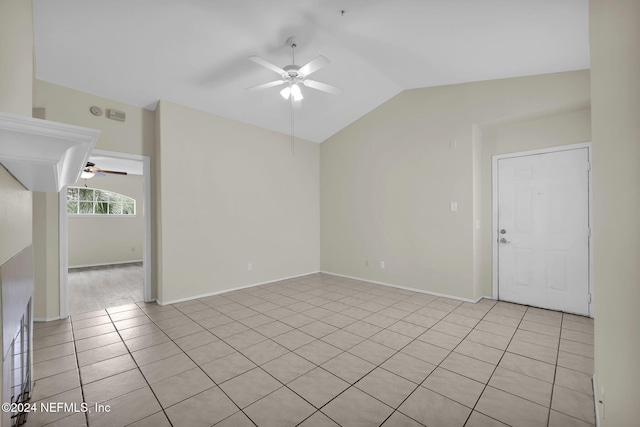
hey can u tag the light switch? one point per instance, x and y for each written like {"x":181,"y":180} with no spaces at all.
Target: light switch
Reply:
{"x":454,"y":206}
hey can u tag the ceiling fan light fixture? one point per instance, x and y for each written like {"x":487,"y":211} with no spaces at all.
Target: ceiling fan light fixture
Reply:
{"x":296,"y":92}
{"x":286,"y":92}
{"x":87,"y":175}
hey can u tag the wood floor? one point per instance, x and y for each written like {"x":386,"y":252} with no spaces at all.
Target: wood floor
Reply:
{"x":96,"y":288}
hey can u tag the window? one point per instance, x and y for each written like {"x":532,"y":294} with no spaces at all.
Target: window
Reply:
{"x":92,"y":201}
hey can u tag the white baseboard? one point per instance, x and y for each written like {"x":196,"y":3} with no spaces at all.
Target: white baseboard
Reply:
{"x":210,"y":294}
{"x":51,"y":319}
{"x":435,"y":294}
{"x":102,"y":264}
{"x":595,"y":400}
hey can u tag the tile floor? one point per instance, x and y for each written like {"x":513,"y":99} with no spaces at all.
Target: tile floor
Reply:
{"x":318,"y":350}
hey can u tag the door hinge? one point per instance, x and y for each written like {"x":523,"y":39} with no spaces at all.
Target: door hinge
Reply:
{"x":589,"y":298}
{"x":589,"y":231}
{"x":588,"y":165}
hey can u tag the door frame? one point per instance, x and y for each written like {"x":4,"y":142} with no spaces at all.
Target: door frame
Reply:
{"x":494,"y":197}
{"x":63,"y":232}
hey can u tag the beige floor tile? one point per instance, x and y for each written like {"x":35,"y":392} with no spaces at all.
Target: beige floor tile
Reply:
{"x":407,"y":328}
{"x":244,"y":339}
{"x":87,"y":315}
{"x":274,"y":329}
{"x":294,"y":339}
{"x":264,"y":351}
{"x":534,"y":351}
{"x":575,"y":380}
{"x":451,"y":329}
{"x":454,"y":386}
{"x":144,"y":341}
{"x":538,"y":339}
{"x":114,"y":386}
{"x":426,"y":352}
{"x":558,"y":419}
{"x":203,"y":314}
{"x":342,"y":339}
{"x":138,"y":331}
{"x":250,"y":386}
{"x":40,"y":325}
{"x":256,"y":320}
{"x":516,"y":314}
{"x":297,"y":320}
{"x":127,"y":409}
{"x":292,"y":409}
{"x":421,"y":320}
{"x":338,"y":320}
{"x":408,"y":367}
{"x":486,"y":338}
{"x":94,"y":331}
{"x":54,"y":366}
{"x":502,"y":319}
{"x":227,"y":367}
{"x":210,"y":352}
{"x":318,"y":352}
{"x":76,"y":420}
{"x":99,"y":341}
{"x":459,"y":319}
{"x":132,"y":322}
{"x":318,"y":419}
{"x":440,"y":339}
{"x":213,"y":321}
{"x":348,"y":367}
{"x":126,"y":314}
{"x":52,"y":340}
{"x":55,"y":384}
{"x":387,"y":387}
{"x":545,"y":320}
{"x":239,"y":419}
{"x":183,"y":330}
{"x":430,"y":408}
{"x":288,"y":367}
{"x":228,"y":329}
{"x":319,"y":329}
{"x":521,"y":385}
{"x":101,"y":353}
{"x":155,"y":353}
{"x":479,"y":351}
{"x":380,"y":320}
{"x":171,"y":321}
{"x":527,"y":366}
{"x":372,"y":352}
{"x":580,"y":337}
{"x":181,"y":386}
{"x":356,"y":408}
{"x":575,"y":362}
{"x":578,"y":326}
{"x":540,"y":328}
{"x":573,"y":403}
{"x":391,"y":339}
{"x":398,"y":419}
{"x":51,"y":330}
{"x":469,"y":367}
{"x":53,"y":352}
{"x":41,"y":418}
{"x":165,"y":368}
{"x":480,"y":420}
{"x":318,"y":386}
{"x":574,"y":347}
{"x":159,"y":419}
{"x":106,"y":368}
{"x":511,"y":410}
{"x":496,"y":328}
{"x":197,"y":411}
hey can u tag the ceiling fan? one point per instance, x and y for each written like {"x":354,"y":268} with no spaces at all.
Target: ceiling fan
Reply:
{"x":294,"y":75}
{"x":90,"y":171}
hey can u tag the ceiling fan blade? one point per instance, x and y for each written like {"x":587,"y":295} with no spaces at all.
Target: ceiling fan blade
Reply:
{"x":106,"y":171}
{"x":314,"y":65}
{"x":267,"y":85}
{"x":267,"y":64}
{"x":322,"y":86}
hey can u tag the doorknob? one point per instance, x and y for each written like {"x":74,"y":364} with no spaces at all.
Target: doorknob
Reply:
{"x":503,"y":240}
{"x":503,"y":231}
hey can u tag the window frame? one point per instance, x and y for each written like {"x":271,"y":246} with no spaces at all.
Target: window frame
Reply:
{"x":105,"y":201}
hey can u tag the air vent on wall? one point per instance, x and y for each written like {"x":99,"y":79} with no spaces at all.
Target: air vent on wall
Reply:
{"x":118,"y":115}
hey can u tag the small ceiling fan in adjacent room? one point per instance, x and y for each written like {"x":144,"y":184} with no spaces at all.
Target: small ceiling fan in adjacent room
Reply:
{"x":90,"y":171}
{"x":294,"y":75}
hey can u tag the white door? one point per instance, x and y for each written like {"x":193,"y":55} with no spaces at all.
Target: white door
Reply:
{"x":543,"y":237}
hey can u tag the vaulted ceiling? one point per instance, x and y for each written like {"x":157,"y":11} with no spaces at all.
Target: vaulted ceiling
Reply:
{"x":194,"y":52}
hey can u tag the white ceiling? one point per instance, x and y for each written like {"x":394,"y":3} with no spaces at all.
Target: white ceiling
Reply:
{"x":194,"y":52}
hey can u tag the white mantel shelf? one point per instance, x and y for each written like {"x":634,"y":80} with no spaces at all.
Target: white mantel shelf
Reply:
{"x":44,"y":155}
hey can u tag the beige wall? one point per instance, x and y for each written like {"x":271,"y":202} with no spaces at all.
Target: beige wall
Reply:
{"x":232,"y":194}
{"x":135,"y":136}
{"x":615,"y":88}
{"x":100,"y":239}
{"x":16,"y":77}
{"x":387,"y":180}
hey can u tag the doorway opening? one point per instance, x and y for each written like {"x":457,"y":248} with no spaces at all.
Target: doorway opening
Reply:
{"x":105,"y":250}
{"x":542,"y":228}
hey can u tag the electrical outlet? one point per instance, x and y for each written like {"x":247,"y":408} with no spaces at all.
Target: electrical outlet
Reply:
{"x":249,"y":266}
{"x":366,"y":263}
{"x":381,"y":264}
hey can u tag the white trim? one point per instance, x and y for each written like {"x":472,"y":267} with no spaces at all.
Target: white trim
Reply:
{"x":232,"y":289}
{"x":51,"y":319}
{"x":436,"y":294}
{"x":102,"y":264}
{"x":494,"y":197}
{"x":595,"y":400}
{"x":146,"y":211}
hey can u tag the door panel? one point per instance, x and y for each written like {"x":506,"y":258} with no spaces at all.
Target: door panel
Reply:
{"x":543,"y":207}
